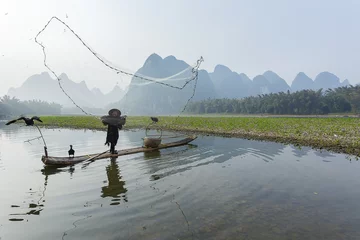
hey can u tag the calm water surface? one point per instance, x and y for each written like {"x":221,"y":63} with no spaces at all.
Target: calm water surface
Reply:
{"x":216,"y":188}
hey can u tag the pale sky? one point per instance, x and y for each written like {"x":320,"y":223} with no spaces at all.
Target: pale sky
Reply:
{"x":249,"y":36}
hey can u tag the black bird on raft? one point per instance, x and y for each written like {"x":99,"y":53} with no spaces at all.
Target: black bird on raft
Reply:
{"x":28,"y":121}
{"x":154,"y":119}
{"x":71,"y":151}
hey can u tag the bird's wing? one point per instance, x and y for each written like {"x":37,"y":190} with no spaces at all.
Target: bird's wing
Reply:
{"x":10,"y":122}
{"x":21,"y":118}
{"x":36,"y":118}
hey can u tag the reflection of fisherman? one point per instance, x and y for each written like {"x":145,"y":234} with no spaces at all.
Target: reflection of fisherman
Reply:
{"x":115,"y":123}
{"x":115,"y":184}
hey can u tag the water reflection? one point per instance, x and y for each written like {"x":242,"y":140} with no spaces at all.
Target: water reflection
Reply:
{"x":152,"y":154}
{"x":34,"y":208}
{"x":228,"y":188}
{"x":324,"y":154}
{"x":299,"y":151}
{"x":51,"y":170}
{"x":116,"y":186}
{"x":213,"y":150}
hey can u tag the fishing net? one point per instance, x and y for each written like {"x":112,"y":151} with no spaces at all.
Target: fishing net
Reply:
{"x":80,"y":61}
{"x":160,"y":86}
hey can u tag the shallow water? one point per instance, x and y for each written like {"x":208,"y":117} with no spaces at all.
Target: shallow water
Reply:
{"x":215,"y":188}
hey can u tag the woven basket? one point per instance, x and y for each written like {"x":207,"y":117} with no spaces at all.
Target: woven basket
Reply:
{"x":151,"y":142}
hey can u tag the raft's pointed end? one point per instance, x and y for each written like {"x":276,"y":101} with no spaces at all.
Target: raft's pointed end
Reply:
{"x":43,"y":159}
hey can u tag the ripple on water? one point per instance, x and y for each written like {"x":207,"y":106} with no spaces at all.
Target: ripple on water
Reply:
{"x":214,"y":188}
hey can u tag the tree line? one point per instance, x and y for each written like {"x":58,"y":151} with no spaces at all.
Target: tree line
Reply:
{"x":339,"y":100}
{"x":14,"y":107}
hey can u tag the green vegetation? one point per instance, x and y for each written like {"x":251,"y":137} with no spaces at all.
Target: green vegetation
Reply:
{"x":335,"y":134}
{"x":14,"y":107}
{"x":339,"y":100}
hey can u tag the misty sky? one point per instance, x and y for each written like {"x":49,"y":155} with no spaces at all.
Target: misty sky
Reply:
{"x":249,"y":36}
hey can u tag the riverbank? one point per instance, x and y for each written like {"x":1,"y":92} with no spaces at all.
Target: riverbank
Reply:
{"x":336,"y":134}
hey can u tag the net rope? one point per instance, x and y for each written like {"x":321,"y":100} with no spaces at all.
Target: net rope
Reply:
{"x":165,"y":81}
{"x":162,"y":81}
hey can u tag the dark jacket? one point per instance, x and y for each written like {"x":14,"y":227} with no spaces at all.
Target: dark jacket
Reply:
{"x":113,"y":134}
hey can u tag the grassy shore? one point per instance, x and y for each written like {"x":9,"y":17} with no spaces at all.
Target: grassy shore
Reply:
{"x":334,"y":134}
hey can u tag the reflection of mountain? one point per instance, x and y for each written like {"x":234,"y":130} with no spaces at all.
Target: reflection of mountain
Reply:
{"x":300,"y":151}
{"x":115,"y":187}
{"x":324,"y":154}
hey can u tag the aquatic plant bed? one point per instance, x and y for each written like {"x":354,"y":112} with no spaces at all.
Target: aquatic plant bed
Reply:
{"x":335,"y":134}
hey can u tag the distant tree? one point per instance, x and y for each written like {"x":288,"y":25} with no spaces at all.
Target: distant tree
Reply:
{"x":338,"y":100}
{"x":14,"y":107}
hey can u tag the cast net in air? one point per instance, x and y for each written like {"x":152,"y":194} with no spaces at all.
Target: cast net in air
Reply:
{"x":159,"y":87}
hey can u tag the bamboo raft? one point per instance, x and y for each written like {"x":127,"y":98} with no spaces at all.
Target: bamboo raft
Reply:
{"x":64,"y":161}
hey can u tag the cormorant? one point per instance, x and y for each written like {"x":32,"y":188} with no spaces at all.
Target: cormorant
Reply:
{"x":154,"y":119}
{"x":71,"y":151}
{"x":28,"y":121}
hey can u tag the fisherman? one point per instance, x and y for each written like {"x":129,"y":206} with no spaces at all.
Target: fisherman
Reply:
{"x":115,"y":122}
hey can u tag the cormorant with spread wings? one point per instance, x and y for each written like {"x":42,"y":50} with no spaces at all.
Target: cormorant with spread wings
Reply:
{"x":28,"y":121}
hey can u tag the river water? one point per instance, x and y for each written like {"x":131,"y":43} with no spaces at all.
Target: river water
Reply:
{"x":214,"y":188}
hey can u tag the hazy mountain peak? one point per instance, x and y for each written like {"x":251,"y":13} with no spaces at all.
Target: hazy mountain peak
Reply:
{"x":63,"y":76}
{"x":170,"y":58}
{"x":116,"y":88}
{"x":96,"y":91}
{"x":301,"y":82}
{"x":273,"y":77}
{"x":45,"y":74}
{"x":261,"y":85}
{"x":83,"y":84}
{"x":270,"y":73}
{"x":278,"y":83}
{"x":245,"y":78}
{"x":326,"y":80}
{"x":41,"y":79}
{"x":303,"y":75}
{"x":260,"y":79}
{"x":171,"y":62}
{"x":154,"y":98}
{"x":243,"y":75}
{"x":345,"y":83}
{"x":153,"y":59}
{"x":221,"y":69}
{"x":115,"y":94}
{"x":326,"y":75}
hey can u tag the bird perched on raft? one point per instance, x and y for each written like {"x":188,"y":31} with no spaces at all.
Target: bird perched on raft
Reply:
{"x":154,"y":119}
{"x":28,"y":121}
{"x":71,"y":151}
